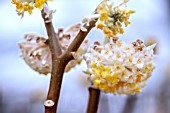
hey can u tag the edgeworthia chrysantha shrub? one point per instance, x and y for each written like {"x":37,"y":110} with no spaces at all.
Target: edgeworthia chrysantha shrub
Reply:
{"x":117,"y":67}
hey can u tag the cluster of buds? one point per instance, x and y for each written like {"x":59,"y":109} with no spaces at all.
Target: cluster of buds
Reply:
{"x":112,"y":18}
{"x":36,"y":52}
{"x":120,"y":68}
{"x":28,"y":5}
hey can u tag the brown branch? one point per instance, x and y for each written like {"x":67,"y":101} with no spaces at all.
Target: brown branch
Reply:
{"x":59,"y":62}
{"x":81,"y":36}
{"x":55,"y":85}
{"x":58,"y":66}
{"x":73,"y":47}
{"x":94,"y":96}
{"x":53,"y":40}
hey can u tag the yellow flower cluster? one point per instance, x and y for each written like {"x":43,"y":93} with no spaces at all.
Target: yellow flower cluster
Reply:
{"x":120,"y":68}
{"x":110,"y":82}
{"x":111,"y":19}
{"x":28,"y":5}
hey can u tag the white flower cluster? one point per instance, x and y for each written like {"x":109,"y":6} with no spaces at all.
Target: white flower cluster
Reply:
{"x":120,"y":68}
{"x":36,"y":52}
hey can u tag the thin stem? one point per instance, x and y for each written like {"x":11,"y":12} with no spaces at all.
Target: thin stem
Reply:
{"x":94,"y":96}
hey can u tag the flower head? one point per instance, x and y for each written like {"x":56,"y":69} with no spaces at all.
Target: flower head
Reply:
{"x":28,"y":5}
{"x":120,"y":68}
{"x":112,"y":18}
{"x":36,"y":53}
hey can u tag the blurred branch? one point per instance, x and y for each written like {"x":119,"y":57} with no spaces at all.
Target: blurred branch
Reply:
{"x":94,"y":96}
{"x":163,"y":99}
{"x":1,"y":102}
{"x":104,"y":105}
{"x":130,"y":104}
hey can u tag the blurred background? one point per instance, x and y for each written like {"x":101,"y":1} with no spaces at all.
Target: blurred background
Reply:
{"x":23,"y":90}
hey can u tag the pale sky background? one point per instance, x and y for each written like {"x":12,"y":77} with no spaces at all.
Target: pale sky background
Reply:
{"x":20,"y":85}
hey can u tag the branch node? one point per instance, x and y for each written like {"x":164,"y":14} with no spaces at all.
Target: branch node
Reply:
{"x":73,"y":53}
{"x":49,"y":103}
{"x":83,"y":29}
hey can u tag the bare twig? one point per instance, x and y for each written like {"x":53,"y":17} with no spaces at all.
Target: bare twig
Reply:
{"x":53,"y":40}
{"x":81,"y":36}
{"x":94,"y":96}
